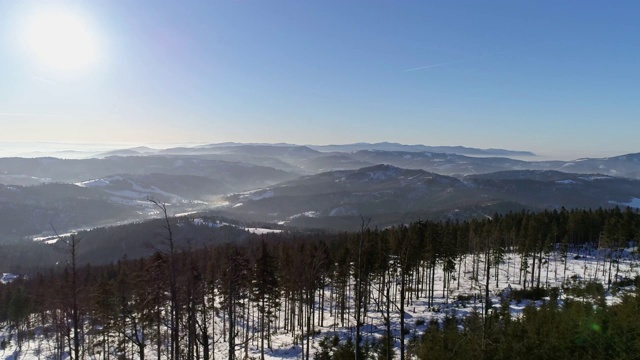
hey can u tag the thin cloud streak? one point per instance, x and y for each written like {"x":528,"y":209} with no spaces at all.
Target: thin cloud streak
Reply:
{"x":30,"y":115}
{"x":453,"y":62}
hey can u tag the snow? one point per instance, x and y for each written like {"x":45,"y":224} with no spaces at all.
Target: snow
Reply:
{"x":588,"y":265}
{"x":310,"y":214}
{"x":52,"y":239}
{"x":257,"y":194}
{"x":634,"y":203}
{"x":217,"y":224}
{"x":100,"y":182}
{"x":186,"y":213}
{"x":7,"y":278}
{"x":595,"y":177}
{"x":260,"y":231}
{"x":136,"y":191}
{"x":94,"y":183}
{"x":209,"y":223}
{"x":565,"y":182}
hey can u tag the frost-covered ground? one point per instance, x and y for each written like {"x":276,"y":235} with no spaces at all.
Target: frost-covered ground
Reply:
{"x":585,"y":265}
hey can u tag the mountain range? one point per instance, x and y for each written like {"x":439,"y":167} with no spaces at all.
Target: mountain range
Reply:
{"x":306,"y":186}
{"x":391,"y":195}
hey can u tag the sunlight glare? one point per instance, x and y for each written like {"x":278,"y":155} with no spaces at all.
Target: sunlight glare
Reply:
{"x":61,"y":41}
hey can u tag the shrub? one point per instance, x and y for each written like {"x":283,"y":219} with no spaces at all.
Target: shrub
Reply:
{"x":534,"y":294}
{"x":584,"y":289}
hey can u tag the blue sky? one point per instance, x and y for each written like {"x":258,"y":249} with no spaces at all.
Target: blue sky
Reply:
{"x":560,"y":78}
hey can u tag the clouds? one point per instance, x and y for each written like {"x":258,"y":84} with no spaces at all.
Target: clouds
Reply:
{"x":458,"y":61}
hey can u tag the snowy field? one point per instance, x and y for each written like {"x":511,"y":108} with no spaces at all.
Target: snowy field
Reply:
{"x":463,"y":296}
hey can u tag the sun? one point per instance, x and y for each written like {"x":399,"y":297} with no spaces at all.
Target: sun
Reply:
{"x":61,"y":41}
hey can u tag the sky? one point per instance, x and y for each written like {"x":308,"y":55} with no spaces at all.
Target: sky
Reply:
{"x":559,"y":78}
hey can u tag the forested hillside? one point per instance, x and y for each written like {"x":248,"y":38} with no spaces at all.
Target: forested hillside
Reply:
{"x":424,"y":289}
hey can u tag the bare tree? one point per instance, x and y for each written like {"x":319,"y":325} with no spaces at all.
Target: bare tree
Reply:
{"x":174,"y":306}
{"x":364,"y":225}
{"x":70,"y":247}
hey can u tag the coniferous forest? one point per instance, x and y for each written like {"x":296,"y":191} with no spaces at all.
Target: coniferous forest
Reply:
{"x":554,"y":284}
{"x":319,"y":180}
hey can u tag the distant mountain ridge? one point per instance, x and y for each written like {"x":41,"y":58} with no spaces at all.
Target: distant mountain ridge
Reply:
{"x":299,"y":184}
{"x":444,"y":160}
{"x":389,"y":146}
{"x":270,"y":148}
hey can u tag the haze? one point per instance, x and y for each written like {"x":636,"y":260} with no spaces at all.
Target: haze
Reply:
{"x":556,"y":78}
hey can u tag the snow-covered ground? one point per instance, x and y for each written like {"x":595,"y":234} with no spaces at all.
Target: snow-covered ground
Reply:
{"x":217,"y":224}
{"x":464,"y":295}
{"x":634,"y":203}
{"x":7,"y":277}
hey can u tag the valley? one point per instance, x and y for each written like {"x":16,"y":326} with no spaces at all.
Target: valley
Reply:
{"x":299,"y":186}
